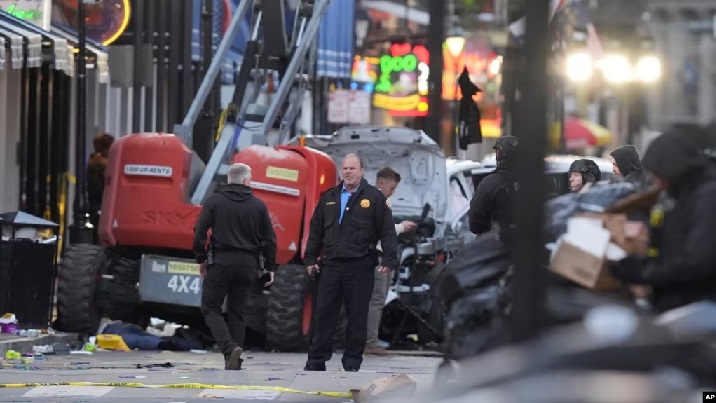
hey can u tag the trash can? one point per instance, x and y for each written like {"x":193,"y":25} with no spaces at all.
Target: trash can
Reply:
{"x":28,"y":268}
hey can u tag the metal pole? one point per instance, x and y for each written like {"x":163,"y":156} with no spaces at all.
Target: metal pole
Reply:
{"x":81,"y":230}
{"x":436,"y":37}
{"x":203,"y":142}
{"x":529,"y":250}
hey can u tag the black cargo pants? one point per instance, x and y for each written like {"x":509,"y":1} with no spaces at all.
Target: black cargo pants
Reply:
{"x":349,"y":282}
{"x":234,"y":280}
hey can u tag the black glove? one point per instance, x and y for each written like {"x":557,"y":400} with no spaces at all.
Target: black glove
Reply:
{"x":629,"y":270}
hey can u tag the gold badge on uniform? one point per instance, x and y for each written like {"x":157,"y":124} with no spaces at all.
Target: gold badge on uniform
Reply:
{"x":387,"y":203}
{"x":365,"y":203}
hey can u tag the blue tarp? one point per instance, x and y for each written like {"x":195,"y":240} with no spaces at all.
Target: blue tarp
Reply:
{"x":336,"y":39}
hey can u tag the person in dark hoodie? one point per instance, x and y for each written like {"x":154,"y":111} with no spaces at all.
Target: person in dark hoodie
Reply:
{"x":494,"y":196}
{"x":682,"y":268}
{"x":627,"y":165}
{"x":241,"y":233}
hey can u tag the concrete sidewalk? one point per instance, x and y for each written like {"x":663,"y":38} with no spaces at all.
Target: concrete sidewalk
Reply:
{"x":263,"y":377}
{"x":25,"y":344}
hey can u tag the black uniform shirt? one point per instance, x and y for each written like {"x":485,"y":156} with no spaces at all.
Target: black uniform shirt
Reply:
{"x":367,"y":219}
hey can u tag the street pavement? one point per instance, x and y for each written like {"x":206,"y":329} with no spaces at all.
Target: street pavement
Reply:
{"x":272,"y":376}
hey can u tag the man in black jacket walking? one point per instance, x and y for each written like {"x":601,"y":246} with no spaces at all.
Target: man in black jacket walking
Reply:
{"x":683,"y":269}
{"x":347,"y":223}
{"x":241,"y":232}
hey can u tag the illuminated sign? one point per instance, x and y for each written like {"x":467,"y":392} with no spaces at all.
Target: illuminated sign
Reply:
{"x":364,"y":74}
{"x":401,"y":86}
{"x":106,"y":20}
{"x":36,"y":12}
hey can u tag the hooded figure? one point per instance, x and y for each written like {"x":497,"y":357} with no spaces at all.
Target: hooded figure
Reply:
{"x":496,"y":193}
{"x":582,"y":172}
{"x":684,"y":269}
{"x":469,"y":130}
{"x":627,"y":165}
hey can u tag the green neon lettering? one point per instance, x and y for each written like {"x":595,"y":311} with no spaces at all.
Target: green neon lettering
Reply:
{"x":410,"y":63}
{"x":396,"y":64}
{"x":23,"y":14}
{"x":385,"y":64}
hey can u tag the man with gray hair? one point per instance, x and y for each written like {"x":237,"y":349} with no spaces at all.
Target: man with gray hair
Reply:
{"x":239,"y":232}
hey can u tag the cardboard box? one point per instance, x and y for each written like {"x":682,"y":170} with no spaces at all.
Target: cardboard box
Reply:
{"x":581,"y":254}
{"x":582,"y":267}
{"x":631,"y":236}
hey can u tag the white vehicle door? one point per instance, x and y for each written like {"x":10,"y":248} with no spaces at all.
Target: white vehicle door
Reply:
{"x":459,"y":195}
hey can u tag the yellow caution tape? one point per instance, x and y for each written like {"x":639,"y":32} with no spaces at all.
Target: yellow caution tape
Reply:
{"x":175,"y":386}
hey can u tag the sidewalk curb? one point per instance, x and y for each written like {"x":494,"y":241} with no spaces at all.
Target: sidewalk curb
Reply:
{"x":24,"y":344}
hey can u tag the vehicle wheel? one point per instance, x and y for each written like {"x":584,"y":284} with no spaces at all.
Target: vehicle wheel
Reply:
{"x":77,"y":308}
{"x":119,"y":297}
{"x":290,"y":310}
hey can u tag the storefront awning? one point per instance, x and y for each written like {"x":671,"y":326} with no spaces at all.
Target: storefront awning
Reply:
{"x":335,"y":40}
{"x":93,"y":47}
{"x":26,"y":43}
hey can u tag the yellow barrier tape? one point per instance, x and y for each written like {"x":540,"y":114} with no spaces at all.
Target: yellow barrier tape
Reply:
{"x":174,"y":386}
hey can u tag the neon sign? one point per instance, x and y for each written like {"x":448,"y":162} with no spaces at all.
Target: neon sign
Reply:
{"x":402,"y":83}
{"x":36,"y":12}
{"x":106,"y":20}
{"x":23,"y":14}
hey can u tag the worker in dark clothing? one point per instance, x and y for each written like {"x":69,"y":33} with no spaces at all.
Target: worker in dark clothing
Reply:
{"x":348,"y":222}
{"x":582,"y":172}
{"x":684,"y":268}
{"x":96,"y":168}
{"x":241,"y":233}
{"x":493,"y":199}
{"x":627,"y":165}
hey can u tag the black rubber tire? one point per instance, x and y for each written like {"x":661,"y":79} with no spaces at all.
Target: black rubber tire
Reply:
{"x":77,"y":309}
{"x":119,"y":298}
{"x":285,"y":330}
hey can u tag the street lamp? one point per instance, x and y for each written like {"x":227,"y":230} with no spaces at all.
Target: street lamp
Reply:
{"x":455,"y":41}
{"x":361,"y":27}
{"x":649,"y":69}
{"x":579,"y":67}
{"x":617,"y":69}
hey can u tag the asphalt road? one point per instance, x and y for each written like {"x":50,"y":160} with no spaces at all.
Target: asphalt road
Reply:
{"x":263,"y":377}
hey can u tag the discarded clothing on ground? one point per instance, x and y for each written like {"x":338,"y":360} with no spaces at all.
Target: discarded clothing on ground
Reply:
{"x":136,"y":338}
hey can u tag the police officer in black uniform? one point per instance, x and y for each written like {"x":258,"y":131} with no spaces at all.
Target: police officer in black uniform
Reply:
{"x":492,"y":202}
{"x":347,"y":223}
